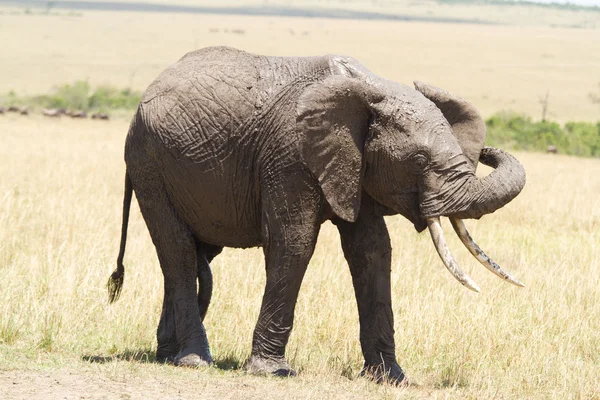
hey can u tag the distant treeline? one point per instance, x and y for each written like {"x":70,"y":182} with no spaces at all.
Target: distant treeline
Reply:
{"x":562,"y":6}
{"x":519,"y":132}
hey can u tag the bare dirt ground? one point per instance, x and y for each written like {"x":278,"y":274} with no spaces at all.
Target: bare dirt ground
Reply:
{"x":64,"y":384}
{"x":73,"y":384}
{"x":117,"y":381}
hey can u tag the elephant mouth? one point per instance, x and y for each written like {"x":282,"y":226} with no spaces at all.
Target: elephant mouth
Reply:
{"x":437,"y":236}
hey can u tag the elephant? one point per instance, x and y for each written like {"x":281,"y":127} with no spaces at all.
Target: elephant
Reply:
{"x":232,"y":149}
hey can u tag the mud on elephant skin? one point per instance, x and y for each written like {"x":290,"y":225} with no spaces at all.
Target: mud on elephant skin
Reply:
{"x":233,"y":149}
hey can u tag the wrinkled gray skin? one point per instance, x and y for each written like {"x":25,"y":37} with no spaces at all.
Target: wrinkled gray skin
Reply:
{"x":233,"y":149}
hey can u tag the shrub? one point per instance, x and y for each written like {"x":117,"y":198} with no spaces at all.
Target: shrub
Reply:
{"x":519,"y":132}
{"x":79,"y":96}
{"x":73,"y":96}
{"x":583,"y":139}
{"x":107,"y":97}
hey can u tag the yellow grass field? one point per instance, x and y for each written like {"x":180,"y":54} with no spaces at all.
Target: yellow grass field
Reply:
{"x":60,"y":220}
{"x":60,"y":213}
{"x":498,"y":67}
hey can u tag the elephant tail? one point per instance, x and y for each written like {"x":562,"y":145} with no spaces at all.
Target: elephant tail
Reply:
{"x":205,"y":288}
{"x":115,"y":282}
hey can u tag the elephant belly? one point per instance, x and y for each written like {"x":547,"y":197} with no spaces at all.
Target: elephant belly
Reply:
{"x":218,"y":209}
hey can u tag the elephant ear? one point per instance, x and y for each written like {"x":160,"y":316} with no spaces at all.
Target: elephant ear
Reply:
{"x":465,"y":120}
{"x":332,"y":118}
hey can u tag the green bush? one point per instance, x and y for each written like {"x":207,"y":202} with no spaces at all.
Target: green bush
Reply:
{"x":79,"y":96}
{"x":73,"y":96}
{"x":107,"y":97}
{"x":519,"y":132}
{"x":584,"y":139}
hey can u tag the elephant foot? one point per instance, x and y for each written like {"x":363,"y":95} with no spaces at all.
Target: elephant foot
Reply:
{"x":165,"y":358}
{"x":269,"y":366}
{"x":389,"y":374}
{"x":167,"y":353}
{"x":189,"y":358}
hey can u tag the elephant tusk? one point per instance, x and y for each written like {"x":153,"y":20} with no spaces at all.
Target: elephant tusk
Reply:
{"x":463,"y":234}
{"x":435,"y":230}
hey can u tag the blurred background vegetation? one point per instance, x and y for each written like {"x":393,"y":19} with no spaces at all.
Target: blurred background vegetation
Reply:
{"x":78,"y":96}
{"x":519,"y":132}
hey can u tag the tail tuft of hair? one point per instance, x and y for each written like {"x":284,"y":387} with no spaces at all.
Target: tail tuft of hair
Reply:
{"x":115,"y":284}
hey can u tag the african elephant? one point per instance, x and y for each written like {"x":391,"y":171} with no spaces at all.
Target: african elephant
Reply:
{"x":233,"y":149}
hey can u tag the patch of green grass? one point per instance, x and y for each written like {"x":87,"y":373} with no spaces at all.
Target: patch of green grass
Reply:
{"x":454,"y":375}
{"x":10,"y":330}
{"x":50,"y":330}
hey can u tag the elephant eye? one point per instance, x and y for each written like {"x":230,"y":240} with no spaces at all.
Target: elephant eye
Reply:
{"x":314,"y":120}
{"x":420,"y":160}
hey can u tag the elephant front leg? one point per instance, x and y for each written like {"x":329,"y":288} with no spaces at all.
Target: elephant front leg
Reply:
{"x":366,"y":246}
{"x":290,"y":234}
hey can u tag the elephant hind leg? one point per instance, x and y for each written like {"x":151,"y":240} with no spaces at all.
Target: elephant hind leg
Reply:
{"x":181,"y":334}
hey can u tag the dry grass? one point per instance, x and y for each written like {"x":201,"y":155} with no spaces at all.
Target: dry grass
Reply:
{"x":60,"y":210}
{"x":496,"y":67}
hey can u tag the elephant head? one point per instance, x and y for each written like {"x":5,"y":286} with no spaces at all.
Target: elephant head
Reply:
{"x":414,"y":151}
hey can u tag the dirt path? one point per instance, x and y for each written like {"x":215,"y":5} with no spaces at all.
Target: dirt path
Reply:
{"x":71,"y":384}
{"x":80,"y":385}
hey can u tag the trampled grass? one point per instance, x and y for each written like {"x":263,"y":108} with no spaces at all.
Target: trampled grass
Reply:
{"x":60,"y":213}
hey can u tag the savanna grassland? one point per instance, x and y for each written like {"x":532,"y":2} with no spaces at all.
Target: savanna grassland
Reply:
{"x":60,"y":215}
{"x":497,"y":67}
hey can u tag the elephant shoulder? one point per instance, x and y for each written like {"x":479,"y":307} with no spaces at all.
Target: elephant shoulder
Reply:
{"x":347,"y":66}
{"x":216,"y":54}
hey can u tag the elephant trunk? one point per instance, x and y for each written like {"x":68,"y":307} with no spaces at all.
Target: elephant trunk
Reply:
{"x":486,"y":195}
{"x":467,"y":196}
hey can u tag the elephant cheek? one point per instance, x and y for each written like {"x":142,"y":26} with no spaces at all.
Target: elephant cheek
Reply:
{"x":408,"y":207}
{"x":420,"y":225}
